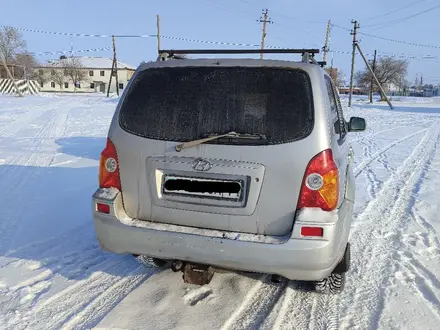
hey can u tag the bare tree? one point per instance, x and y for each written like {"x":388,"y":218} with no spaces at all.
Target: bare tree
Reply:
{"x":74,"y":70}
{"x":11,"y":43}
{"x":26,"y":63}
{"x":57,"y":76}
{"x":388,"y":71}
{"x":40,"y":76}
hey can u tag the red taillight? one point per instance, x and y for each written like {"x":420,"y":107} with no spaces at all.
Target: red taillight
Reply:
{"x":312,"y":231}
{"x":103,"y":208}
{"x":109,"y":167}
{"x":320,"y":187}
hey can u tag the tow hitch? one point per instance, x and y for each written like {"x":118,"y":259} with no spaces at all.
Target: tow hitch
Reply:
{"x":193,"y":273}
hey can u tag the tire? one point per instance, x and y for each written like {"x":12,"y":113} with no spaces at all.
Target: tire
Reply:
{"x":333,"y":284}
{"x":150,"y":261}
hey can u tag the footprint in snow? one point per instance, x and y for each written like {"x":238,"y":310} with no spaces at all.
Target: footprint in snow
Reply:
{"x":193,"y":297}
{"x":384,"y":235}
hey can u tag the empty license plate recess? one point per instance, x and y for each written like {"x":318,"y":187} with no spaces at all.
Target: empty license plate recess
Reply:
{"x":230,"y":190}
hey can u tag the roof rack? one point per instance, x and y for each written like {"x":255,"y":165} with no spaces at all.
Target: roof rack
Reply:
{"x":307,"y":54}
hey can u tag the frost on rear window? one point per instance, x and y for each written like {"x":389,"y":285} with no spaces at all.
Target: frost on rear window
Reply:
{"x":188,"y":103}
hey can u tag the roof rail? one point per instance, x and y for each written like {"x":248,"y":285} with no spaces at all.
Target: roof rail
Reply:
{"x":307,"y":54}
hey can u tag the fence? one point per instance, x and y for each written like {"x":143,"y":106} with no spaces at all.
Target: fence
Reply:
{"x":25,"y":86}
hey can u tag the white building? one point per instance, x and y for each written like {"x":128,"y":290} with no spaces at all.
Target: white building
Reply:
{"x":97,"y":75}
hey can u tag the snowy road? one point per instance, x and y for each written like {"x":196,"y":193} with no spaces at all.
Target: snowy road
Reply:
{"x":53,"y":274}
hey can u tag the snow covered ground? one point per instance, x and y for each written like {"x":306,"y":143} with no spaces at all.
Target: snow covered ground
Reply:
{"x":53,"y":274}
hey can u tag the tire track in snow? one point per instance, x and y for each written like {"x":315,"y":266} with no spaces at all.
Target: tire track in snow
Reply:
{"x":303,"y":308}
{"x":422,"y":283}
{"x":20,"y":123}
{"x":32,"y":115}
{"x":73,"y":243}
{"x":382,"y":221}
{"x":361,"y":167}
{"x":374,"y":184}
{"x":296,"y":310}
{"x":85,"y":296}
{"x":369,"y":136}
{"x":325,"y":313}
{"x":15,"y":177}
{"x":104,"y":303}
{"x":23,"y":298}
{"x":433,"y":241}
{"x":68,"y":267}
{"x":257,"y":305}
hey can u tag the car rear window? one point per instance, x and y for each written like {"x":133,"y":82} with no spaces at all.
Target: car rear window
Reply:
{"x":188,"y":103}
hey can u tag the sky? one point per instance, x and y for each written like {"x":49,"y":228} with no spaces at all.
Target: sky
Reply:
{"x":296,"y":24}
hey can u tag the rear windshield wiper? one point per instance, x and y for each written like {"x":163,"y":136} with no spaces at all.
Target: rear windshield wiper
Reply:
{"x":195,"y":143}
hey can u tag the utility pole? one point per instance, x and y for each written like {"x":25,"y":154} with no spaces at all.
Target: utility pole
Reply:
{"x":374,"y":76}
{"x":372,"y":79}
{"x":354,"y":33}
{"x":111,"y":76}
{"x":327,"y":39}
{"x":264,"y":20}
{"x":158,"y":33}
{"x":114,"y":69}
{"x":116,"y":65}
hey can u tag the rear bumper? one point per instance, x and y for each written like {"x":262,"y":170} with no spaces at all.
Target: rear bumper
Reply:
{"x":292,"y":258}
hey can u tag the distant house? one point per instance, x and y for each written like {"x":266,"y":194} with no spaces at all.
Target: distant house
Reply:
{"x":346,"y":90}
{"x":96,"y":70}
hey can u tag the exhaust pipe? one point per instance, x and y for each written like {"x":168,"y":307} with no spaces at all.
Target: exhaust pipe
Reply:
{"x":177,"y":266}
{"x":276,"y":278}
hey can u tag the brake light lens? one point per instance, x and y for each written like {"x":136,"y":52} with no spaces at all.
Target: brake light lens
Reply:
{"x":320,"y":187}
{"x":109,"y":167}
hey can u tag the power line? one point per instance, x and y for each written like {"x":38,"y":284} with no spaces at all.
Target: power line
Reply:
{"x":212,"y":42}
{"x":245,"y":14}
{"x":68,"y":51}
{"x":386,"y":24}
{"x":400,"y":41}
{"x":408,"y":56}
{"x":140,"y":36}
{"x":390,"y":39}
{"x":292,"y":18}
{"x":396,"y":10}
{"x":341,"y":27}
{"x":84,"y":34}
{"x":400,"y":55}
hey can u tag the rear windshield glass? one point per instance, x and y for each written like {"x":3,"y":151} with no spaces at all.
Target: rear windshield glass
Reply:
{"x":188,"y":103}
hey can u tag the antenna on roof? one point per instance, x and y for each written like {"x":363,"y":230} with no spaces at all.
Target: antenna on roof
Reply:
{"x":71,"y":46}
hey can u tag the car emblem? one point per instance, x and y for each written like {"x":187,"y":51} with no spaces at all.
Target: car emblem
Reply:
{"x":201,"y":165}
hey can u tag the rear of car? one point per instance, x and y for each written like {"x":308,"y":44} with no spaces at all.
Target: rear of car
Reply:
{"x":268,"y":198}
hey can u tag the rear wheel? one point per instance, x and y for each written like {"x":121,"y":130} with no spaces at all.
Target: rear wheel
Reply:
{"x":150,"y":261}
{"x":332,"y":284}
{"x":335,"y":282}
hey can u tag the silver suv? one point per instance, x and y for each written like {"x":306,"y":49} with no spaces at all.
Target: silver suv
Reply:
{"x":237,"y":164}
